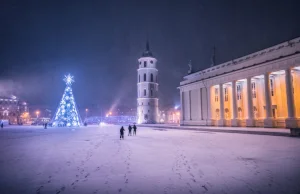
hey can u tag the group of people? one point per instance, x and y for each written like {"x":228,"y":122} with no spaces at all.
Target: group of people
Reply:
{"x":122,"y":130}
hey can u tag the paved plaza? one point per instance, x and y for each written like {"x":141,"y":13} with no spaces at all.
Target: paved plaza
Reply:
{"x":93,"y":159}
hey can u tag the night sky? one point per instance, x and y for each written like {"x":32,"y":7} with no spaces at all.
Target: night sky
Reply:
{"x":99,"y":42}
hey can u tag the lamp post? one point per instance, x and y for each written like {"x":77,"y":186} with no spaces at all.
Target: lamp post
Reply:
{"x":37,"y":114}
{"x":86,"y":112}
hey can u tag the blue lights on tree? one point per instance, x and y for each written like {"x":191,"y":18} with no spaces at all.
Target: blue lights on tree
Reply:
{"x":67,"y":112}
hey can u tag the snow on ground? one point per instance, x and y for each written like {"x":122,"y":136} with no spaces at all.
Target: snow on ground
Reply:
{"x":94,"y":160}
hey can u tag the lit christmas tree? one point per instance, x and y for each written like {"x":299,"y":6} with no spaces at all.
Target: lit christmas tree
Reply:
{"x":67,"y":112}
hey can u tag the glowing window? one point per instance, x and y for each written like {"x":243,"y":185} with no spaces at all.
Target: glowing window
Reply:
{"x":226,"y":94}
{"x":272,"y":87}
{"x":216,"y":94}
{"x":253,"y":90}
{"x":239,"y":92}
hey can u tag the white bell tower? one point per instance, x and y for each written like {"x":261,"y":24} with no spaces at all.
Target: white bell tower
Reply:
{"x":147,"y":88}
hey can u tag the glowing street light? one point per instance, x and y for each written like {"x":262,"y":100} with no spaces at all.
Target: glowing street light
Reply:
{"x":86,"y":111}
{"x":37,"y":114}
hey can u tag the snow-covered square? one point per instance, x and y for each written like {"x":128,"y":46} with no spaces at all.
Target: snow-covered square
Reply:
{"x":94,"y":160}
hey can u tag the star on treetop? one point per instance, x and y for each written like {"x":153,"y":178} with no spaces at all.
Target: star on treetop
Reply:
{"x":69,"y":79}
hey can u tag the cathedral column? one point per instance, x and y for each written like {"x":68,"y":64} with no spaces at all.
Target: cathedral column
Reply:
{"x":190,"y":104}
{"x":200,"y":103}
{"x":182,"y":108}
{"x":221,"y":121}
{"x":291,"y":121}
{"x":234,"y":104}
{"x":249,"y":120}
{"x":208,"y":119}
{"x":268,"y":121}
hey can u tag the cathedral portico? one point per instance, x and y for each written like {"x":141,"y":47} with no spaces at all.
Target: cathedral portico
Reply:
{"x":255,"y":90}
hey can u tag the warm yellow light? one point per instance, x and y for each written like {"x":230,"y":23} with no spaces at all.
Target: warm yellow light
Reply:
{"x":86,"y":110}
{"x":110,"y":113}
{"x":177,"y":113}
{"x":37,"y":112}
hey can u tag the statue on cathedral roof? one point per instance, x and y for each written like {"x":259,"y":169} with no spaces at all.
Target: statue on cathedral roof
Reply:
{"x":190,"y":67}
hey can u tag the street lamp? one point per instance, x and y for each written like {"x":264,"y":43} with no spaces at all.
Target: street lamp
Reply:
{"x":86,"y":111}
{"x":37,"y":114}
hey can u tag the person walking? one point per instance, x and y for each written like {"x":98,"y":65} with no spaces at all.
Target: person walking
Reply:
{"x":46,"y":125}
{"x":129,"y":130}
{"x":122,"y":132}
{"x":2,"y":125}
{"x":134,"y":130}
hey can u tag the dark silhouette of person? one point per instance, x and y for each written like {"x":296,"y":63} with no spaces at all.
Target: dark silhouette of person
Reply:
{"x":129,"y":130}
{"x":134,"y":130}
{"x":122,"y":132}
{"x":46,"y":125}
{"x":2,"y":125}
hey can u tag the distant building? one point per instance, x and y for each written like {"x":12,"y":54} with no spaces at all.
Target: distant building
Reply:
{"x":170,"y":116}
{"x":173,"y":116}
{"x":261,"y":89}
{"x":147,"y":88}
{"x":14,"y":110}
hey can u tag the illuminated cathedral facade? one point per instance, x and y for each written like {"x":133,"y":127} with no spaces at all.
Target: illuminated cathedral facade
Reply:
{"x":258,"y":90}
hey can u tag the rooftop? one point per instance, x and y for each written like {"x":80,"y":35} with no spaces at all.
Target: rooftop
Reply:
{"x":282,"y":50}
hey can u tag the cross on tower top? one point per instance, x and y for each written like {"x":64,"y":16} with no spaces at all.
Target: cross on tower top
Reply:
{"x":147,"y":52}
